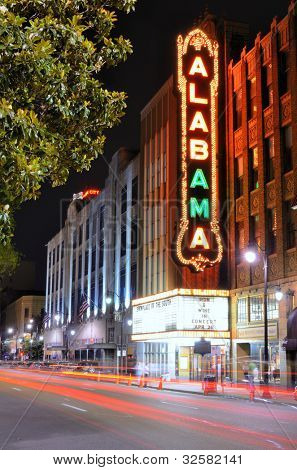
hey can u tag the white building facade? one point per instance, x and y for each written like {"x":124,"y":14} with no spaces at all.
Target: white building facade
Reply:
{"x":94,"y":259}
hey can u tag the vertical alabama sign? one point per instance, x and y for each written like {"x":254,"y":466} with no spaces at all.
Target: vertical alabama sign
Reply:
{"x":199,"y":242}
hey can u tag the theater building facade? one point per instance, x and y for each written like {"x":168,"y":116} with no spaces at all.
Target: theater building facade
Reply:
{"x":219,"y":160}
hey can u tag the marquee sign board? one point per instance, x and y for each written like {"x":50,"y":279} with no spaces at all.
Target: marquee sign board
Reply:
{"x":199,"y":242}
{"x":182,"y":313}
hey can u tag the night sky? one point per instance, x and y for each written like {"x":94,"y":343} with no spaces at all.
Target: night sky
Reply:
{"x":152,"y":29}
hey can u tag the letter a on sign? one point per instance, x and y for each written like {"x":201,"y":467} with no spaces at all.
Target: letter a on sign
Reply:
{"x":199,"y":122}
{"x":198,"y":67}
{"x":199,"y":239}
{"x":199,"y":179}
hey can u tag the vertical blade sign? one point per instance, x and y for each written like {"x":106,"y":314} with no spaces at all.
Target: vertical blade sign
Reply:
{"x":199,"y":242}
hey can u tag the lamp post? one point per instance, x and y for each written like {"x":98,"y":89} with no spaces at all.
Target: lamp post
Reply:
{"x":251,"y":257}
{"x":122,"y":312}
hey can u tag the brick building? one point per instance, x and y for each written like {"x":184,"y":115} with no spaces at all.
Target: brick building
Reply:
{"x":262,"y":169}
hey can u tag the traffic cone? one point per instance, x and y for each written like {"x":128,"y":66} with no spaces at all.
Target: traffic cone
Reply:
{"x":141,"y":381}
{"x":160,"y":386}
{"x":129,"y":380}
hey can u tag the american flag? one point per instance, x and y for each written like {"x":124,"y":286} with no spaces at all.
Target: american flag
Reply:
{"x":83,"y":307}
{"x":46,"y":317}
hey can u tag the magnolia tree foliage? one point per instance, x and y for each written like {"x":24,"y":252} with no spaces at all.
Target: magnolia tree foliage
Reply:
{"x":54,"y":109}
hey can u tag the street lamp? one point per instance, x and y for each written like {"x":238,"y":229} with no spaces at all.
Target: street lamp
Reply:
{"x":72,"y":332}
{"x":251,"y":257}
{"x":278,"y":294}
{"x":122,"y":312}
{"x":10,"y":331}
{"x":29,"y":326}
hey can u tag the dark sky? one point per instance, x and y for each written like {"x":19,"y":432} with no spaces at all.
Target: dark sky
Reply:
{"x":152,"y":29}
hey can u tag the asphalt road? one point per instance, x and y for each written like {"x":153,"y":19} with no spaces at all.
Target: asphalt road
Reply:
{"x":43,"y":411}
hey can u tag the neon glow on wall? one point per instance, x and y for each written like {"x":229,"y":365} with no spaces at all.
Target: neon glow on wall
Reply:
{"x":199,"y":242}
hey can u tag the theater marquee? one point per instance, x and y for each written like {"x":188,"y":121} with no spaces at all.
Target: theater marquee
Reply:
{"x":199,"y":242}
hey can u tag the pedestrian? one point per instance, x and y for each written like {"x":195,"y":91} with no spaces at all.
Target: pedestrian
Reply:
{"x":251,"y":388}
{"x":146,"y":372}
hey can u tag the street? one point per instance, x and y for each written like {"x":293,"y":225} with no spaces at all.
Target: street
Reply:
{"x":42,"y":411}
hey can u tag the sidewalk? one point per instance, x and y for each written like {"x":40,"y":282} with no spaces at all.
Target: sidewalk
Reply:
{"x":278,"y":394}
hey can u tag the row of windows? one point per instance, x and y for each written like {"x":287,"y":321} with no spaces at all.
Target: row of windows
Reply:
{"x":250,"y":309}
{"x":271,"y":230}
{"x":153,"y":274}
{"x":269,"y":157}
{"x":154,"y":229}
{"x":54,"y":255}
{"x":155,"y":175}
{"x":267,"y":90}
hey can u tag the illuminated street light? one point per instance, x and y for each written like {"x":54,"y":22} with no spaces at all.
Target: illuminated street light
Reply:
{"x":31,"y":341}
{"x":108,"y":300}
{"x":57,"y":317}
{"x":31,"y":320}
{"x":130,"y":322}
{"x":10,"y":331}
{"x":29,"y":326}
{"x":72,"y":332}
{"x":250,"y":255}
{"x":40,"y":338}
{"x":279,"y":295}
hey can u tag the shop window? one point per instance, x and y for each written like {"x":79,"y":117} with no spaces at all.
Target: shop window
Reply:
{"x":256,"y":308}
{"x":239,"y":176}
{"x":242,"y":310}
{"x":253,"y":164}
{"x":286,"y":135}
{"x":238,"y":109}
{"x":269,"y":158}
{"x":271,"y":230}
{"x":272,"y":307}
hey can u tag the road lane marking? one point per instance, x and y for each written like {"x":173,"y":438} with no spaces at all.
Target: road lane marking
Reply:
{"x":275,"y":443}
{"x":17,"y":389}
{"x":73,"y":407}
{"x":182,"y":406}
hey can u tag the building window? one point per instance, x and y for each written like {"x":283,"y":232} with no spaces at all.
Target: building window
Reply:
{"x":135,"y":190}
{"x":267,"y":86}
{"x":79,"y":266}
{"x":153,"y":176}
{"x":87,"y":229}
{"x":289,"y":217}
{"x":93,"y":267}
{"x":134,"y":235}
{"x":73,"y":270}
{"x":133,"y":284}
{"x":54,"y":256}
{"x":86,"y":262}
{"x":254,"y":176}
{"x":242,"y":310}
{"x":148,"y":179}
{"x":158,"y":271}
{"x":80,"y":237}
{"x":62,"y":250}
{"x":164,"y":269}
{"x":256,"y":308}
{"x":239,"y":246}
{"x":61,"y":278}
{"x":238,"y":109}
{"x":101,"y":253}
{"x":284,"y":70}
{"x":124,"y":200}
{"x":110,"y":335}
{"x":255,"y":230}
{"x":158,"y":172}
{"x":100,"y":292}
{"x":122,"y":284}
{"x":146,"y":273}
{"x":164,"y":168}
{"x":272,"y":307}
{"x":74,"y":239}
{"x":270,"y":158}
{"x":287,"y":148}
{"x":152,"y":223}
{"x":252,"y":105}
{"x":123,"y":241}
{"x":101,"y":215}
{"x":57,"y":280}
{"x":49,"y":259}
{"x":271,"y":230}
{"x":239,"y":176}
{"x":26,"y":313}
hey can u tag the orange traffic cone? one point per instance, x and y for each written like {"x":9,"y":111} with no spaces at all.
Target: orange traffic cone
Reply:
{"x":129,"y":380}
{"x":141,"y":381}
{"x":160,"y":386}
